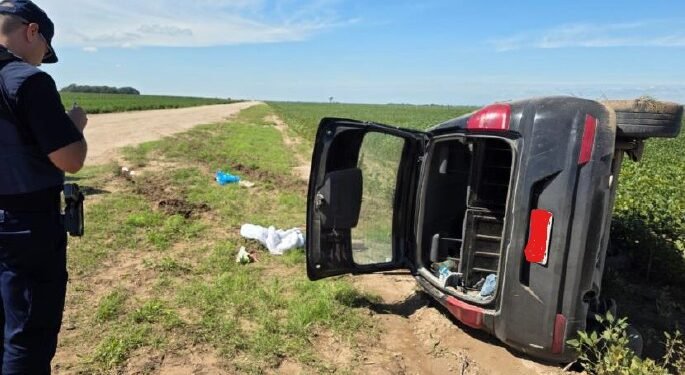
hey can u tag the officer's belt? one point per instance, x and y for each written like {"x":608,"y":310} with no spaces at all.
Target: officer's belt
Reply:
{"x":41,"y":202}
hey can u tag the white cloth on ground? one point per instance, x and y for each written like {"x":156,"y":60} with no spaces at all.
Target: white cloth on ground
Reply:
{"x":276,"y":240}
{"x":243,"y":256}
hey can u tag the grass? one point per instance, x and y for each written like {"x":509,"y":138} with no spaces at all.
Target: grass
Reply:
{"x":248,"y":312}
{"x":184,"y":288}
{"x":111,"y":305}
{"x":106,"y":103}
{"x":120,"y":222}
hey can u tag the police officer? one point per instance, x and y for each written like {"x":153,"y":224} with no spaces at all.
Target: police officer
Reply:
{"x":39,"y":141}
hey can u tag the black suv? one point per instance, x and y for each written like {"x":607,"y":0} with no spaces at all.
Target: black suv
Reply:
{"x":502,"y":215}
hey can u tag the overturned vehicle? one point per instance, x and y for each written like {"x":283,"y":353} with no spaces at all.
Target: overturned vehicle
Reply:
{"x":502,"y":215}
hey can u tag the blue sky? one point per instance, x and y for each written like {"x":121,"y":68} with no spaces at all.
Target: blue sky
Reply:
{"x":443,"y":52}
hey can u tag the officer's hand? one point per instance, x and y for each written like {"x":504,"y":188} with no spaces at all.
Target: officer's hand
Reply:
{"x":78,"y":116}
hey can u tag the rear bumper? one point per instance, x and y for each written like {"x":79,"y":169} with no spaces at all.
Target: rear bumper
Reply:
{"x":487,"y":320}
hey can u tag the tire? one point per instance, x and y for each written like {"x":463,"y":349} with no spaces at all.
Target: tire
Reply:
{"x":646,"y":118}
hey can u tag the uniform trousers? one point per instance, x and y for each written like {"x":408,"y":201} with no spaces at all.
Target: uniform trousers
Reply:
{"x":33,"y":278}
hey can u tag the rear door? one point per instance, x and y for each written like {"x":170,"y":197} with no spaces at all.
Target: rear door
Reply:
{"x":360,"y":209}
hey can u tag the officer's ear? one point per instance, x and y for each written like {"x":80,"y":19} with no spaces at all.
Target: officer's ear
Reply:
{"x":32,"y":32}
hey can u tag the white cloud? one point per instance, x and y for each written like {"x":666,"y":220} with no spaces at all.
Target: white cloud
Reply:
{"x":90,"y":49}
{"x":650,"y":33}
{"x":194,"y":23}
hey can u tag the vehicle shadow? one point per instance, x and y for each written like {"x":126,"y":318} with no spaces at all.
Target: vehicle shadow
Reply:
{"x":404,"y":308}
{"x":419,"y":300}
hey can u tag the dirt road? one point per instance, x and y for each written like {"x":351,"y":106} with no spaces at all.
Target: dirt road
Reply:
{"x":108,"y":132}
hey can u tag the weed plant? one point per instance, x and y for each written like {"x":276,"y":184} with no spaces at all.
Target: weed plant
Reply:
{"x":609,"y":351}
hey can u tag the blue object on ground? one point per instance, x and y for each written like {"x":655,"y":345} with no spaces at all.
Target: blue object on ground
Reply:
{"x":489,"y":286}
{"x":224,"y":178}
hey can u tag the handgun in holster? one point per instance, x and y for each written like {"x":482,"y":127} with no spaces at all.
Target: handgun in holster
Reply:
{"x":73,"y":210}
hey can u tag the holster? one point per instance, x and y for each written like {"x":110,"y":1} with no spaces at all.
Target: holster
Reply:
{"x":73,"y":210}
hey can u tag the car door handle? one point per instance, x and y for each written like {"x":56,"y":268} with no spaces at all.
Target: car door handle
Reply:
{"x":319,"y":200}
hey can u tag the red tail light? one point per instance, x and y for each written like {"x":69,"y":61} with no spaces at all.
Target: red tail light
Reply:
{"x":588,"y":140}
{"x":493,"y":117}
{"x":537,"y":249}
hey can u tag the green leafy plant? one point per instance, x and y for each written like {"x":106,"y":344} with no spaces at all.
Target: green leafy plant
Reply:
{"x":675,"y":352}
{"x":608,"y":352}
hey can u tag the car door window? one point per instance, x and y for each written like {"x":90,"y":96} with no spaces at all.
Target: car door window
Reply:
{"x":379,"y":160}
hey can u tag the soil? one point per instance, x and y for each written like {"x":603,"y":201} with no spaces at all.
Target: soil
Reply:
{"x":418,"y":337}
{"x":265,"y":177}
{"x":168,"y":201}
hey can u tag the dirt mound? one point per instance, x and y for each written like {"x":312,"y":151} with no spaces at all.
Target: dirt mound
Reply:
{"x":643,"y":104}
{"x":255,"y":174}
{"x":181,"y":207}
{"x":157,"y":189}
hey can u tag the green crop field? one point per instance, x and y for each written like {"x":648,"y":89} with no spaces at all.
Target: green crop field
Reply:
{"x":303,"y":118}
{"x":106,"y":103}
{"x":649,"y":215}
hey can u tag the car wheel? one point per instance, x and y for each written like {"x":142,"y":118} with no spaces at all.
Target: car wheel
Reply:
{"x":645,"y":118}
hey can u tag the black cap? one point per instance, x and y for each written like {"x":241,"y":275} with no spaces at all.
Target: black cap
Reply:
{"x":30,"y":12}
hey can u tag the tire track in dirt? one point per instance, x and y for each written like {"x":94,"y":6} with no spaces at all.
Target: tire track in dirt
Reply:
{"x":415,"y":336}
{"x":303,"y":164}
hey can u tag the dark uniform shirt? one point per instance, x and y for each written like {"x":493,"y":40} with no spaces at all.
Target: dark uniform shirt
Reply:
{"x":42,"y":122}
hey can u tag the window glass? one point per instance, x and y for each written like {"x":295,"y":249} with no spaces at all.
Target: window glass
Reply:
{"x":379,"y":161}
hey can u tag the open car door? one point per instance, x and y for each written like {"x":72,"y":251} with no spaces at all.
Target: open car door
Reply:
{"x":361,"y":198}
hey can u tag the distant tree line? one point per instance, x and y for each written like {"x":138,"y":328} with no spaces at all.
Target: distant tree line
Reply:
{"x":100,"y":89}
